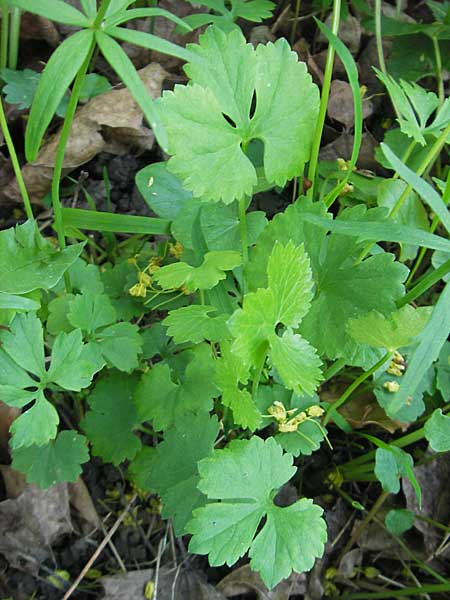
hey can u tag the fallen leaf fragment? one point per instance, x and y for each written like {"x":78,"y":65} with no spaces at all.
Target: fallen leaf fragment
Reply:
{"x":31,"y":523}
{"x":111,"y":122}
{"x":245,"y":581}
{"x":134,"y":584}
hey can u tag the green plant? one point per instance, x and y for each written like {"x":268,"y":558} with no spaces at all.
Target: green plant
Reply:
{"x":225,"y":13}
{"x":261,"y":316}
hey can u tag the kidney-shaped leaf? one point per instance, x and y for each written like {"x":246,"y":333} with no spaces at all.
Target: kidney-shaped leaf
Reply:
{"x":210,"y":123}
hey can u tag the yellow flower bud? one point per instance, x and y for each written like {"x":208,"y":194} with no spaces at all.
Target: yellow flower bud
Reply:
{"x":278,"y":411}
{"x":138,"y":290}
{"x":391,"y":386}
{"x":145,"y":279}
{"x":315,"y":411}
{"x":176,"y":250}
{"x":342,"y":164}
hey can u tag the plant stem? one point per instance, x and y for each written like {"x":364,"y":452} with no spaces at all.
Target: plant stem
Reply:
{"x":370,"y":515}
{"x":352,"y":387}
{"x":15,"y":162}
{"x":425,"y":284}
{"x":257,"y":377}
{"x":312,"y":168}
{"x":65,"y":134}
{"x":5,"y":34}
{"x":434,"y":224}
{"x":439,"y":78}
{"x":244,"y":240}
{"x":425,"y":165}
{"x":64,"y":137}
{"x":14,"y":32}
{"x":406,"y":155}
{"x":379,"y":38}
{"x":334,"y":369}
{"x":295,"y":21}
{"x":389,"y":594}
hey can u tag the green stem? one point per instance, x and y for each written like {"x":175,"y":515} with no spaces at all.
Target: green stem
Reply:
{"x":257,"y":376}
{"x":434,"y":523}
{"x":439,"y":78}
{"x":406,"y":155}
{"x":295,"y":21}
{"x":353,"y":386}
{"x":425,"y":165}
{"x":64,"y":137}
{"x":244,"y":240}
{"x":14,"y":32}
{"x":101,"y":13}
{"x":333,"y":369}
{"x":65,"y":133}
{"x":5,"y":34}
{"x":369,"y":516}
{"x":409,"y":591}
{"x":15,"y":162}
{"x":425,"y":284}
{"x":379,"y":38}
{"x":328,"y":74}
{"x":434,"y":224}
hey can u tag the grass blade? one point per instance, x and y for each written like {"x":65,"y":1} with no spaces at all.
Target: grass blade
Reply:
{"x":140,"y":13}
{"x":386,"y":231}
{"x":104,"y":221}
{"x":419,"y":185}
{"x":59,"y":73}
{"x":125,"y":69}
{"x":152,"y":42}
{"x":56,"y":10}
{"x":352,"y":75}
{"x":431,"y":341}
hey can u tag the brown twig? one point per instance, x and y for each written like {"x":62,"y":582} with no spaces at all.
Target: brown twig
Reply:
{"x":99,"y":550}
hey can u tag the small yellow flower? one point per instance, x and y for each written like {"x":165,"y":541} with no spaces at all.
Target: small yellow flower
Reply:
{"x":315,"y":411}
{"x":176,"y":250}
{"x":342,"y":164}
{"x":138,"y":290}
{"x":348,"y":187}
{"x":394,"y":369}
{"x":278,"y":411}
{"x":391,"y":386}
{"x":154,"y":264}
{"x":145,"y":279}
{"x":149,"y":590}
{"x":292,"y":424}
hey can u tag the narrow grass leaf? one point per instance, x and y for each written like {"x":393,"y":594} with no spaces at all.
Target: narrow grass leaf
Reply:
{"x":142,"y":13}
{"x":89,"y":7}
{"x":59,"y":73}
{"x":431,"y":341}
{"x":424,"y":189}
{"x":352,"y":74}
{"x":104,"y":221}
{"x":56,"y":10}
{"x":152,"y":42}
{"x":125,"y":69}
{"x":382,"y":231}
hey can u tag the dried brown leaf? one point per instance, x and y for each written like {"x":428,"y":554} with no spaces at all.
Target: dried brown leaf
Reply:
{"x":245,"y":581}
{"x":173,"y":584}
{"x":111,"y":122}
{"x":340,"y":104}
{"x":7,"y":416}
{"x":81,"y":500}
{"x":31,"y":523}
{"x":433,"y":478}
